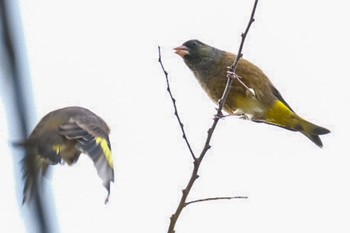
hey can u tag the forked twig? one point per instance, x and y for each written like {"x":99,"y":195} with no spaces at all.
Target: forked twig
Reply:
{"x":174,"y":105}
{"x":232,"y":69}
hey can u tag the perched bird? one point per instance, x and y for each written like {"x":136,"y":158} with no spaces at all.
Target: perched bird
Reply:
{"x":259,"y":101}
{"x":61,"y":136}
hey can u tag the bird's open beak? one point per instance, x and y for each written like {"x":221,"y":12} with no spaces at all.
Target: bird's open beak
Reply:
{"x":182,"y":51}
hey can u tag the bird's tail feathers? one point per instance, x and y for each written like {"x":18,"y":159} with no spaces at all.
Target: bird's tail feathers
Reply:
{"x":281,"y":115}
{"x":312,"y":131}
{"x":33,"y":169}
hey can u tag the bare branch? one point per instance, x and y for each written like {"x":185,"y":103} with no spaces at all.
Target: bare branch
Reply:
{"x":174,"y":104}
{"x":231,"y":75}
{"x":214,"y":199}
{"x":198,"y":160}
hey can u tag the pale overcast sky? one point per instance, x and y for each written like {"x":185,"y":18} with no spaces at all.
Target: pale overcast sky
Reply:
{"x":102,"y":55}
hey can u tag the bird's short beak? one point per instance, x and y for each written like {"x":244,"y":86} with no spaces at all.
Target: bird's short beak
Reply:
{"x":182,"y":51}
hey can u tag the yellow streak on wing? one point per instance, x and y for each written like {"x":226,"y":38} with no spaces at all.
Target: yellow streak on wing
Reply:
{"x":105,"y":148}
{"x":57,"y":148}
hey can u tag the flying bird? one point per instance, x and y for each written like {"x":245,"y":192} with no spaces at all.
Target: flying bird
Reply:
{"x":60,"y":137}
{"x":259,"y":101}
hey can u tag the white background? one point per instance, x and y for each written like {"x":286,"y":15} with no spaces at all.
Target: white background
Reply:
{"x":102,"y":55}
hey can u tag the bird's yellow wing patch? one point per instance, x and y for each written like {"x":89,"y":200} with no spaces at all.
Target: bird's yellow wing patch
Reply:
{"x":106,"y":150}
{"x":56,"y":148}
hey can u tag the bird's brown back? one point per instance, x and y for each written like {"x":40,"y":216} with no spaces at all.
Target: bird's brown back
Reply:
{"x":239,"y":96}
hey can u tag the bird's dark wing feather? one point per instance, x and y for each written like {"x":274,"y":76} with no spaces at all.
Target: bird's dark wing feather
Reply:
{"x":92,"y":138}
{"x":279,"y":97}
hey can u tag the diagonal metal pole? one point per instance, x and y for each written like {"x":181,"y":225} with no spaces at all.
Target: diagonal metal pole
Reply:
{"x":16,"y":93}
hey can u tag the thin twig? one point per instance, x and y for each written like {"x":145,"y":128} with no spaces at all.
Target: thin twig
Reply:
{"x":232,"y":69}
{"x":174,"y":105}
{"x":232,"y":75}
{"x":215,"y":199}
{"x":206,"y":147}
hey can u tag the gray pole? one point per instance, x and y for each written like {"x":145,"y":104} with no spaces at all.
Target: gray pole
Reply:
{"x":16,"y":92}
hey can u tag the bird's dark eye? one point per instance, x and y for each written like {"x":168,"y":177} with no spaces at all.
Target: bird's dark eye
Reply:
{"x":194,"y":44}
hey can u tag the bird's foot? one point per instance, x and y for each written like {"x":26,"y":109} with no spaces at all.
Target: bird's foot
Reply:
{"x":242,"y":115}
{"x":245,"y":117}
